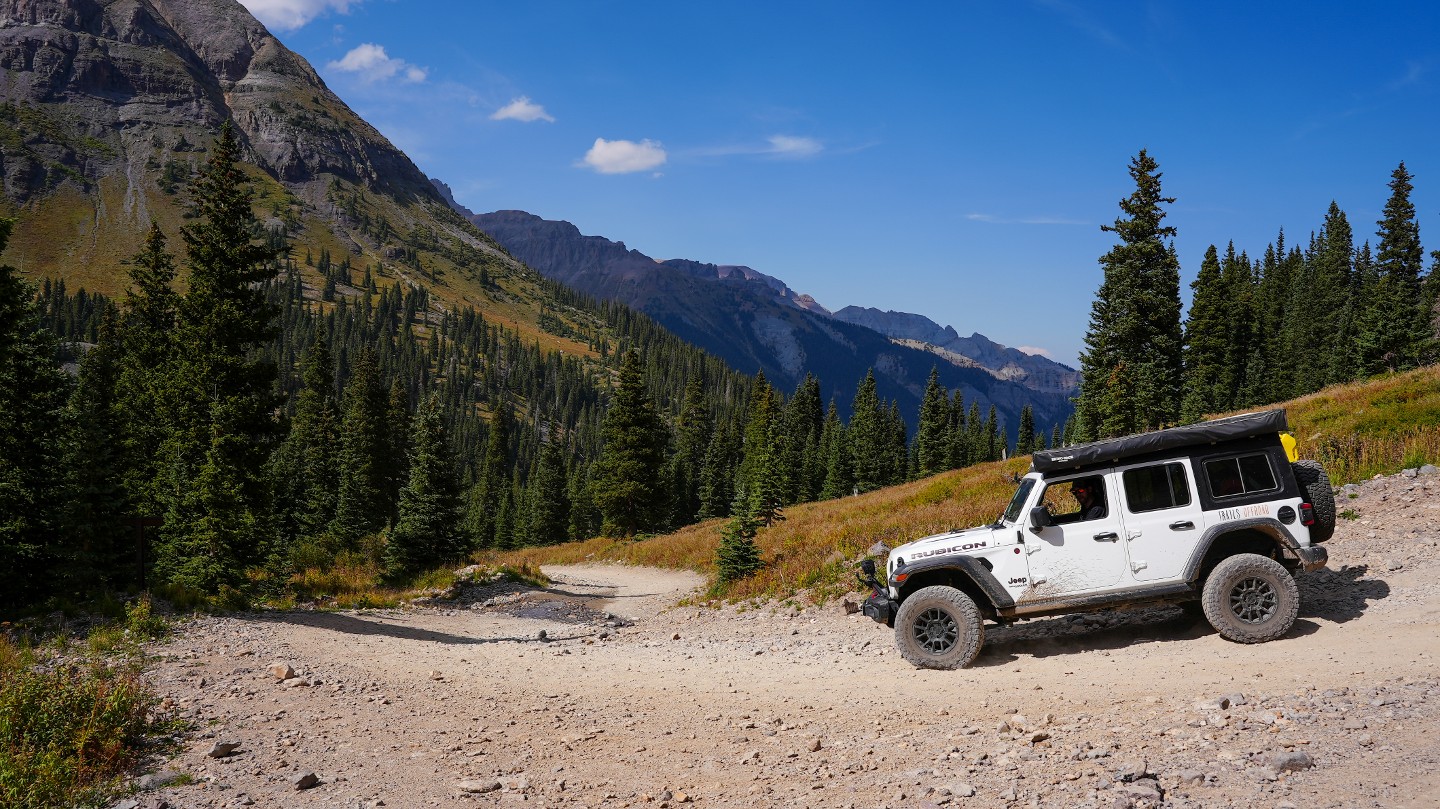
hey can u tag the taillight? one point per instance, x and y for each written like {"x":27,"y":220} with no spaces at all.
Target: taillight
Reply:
{"x":1307,"y":514}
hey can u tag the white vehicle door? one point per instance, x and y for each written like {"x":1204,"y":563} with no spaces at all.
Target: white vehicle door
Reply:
{"x":1083,"y":551}
{"x":1163,"y":518}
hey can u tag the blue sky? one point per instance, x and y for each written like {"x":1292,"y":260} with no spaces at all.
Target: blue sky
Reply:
{"x":950,"y":159}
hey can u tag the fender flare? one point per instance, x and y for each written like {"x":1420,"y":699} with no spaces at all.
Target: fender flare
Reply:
{"x":972,"y":569}
{"x":1268,"y":526}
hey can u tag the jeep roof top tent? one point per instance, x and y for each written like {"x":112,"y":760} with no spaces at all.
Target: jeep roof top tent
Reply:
{"x":1230,"y":428}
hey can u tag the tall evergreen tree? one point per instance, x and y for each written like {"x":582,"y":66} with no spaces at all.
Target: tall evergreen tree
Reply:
{"x":804,"y":422}
{"x":549,"y":502}
{"x":145,"y":387}
{"x":427,"y":530}
{"x":1403,"y":325}
{"x":932,"y":438}
{"x":1025,"y":434}
{"x":362,"y":505}
{"x":693,"y":431}
{"x":1207,"y":341}
{"x":867,"y":437}
{"x":1131,"y":367}
{"x":217,"y":519}
{"x":32,"y":398}
{"x":628,"y":487}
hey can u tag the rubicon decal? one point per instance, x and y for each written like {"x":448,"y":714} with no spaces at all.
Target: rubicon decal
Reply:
{"x":952,"y":549}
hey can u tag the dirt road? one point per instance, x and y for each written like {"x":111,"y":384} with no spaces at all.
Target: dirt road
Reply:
{"x":630,"y":701}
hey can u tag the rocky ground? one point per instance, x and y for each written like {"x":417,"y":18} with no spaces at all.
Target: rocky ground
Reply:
{"x":629,"y":701}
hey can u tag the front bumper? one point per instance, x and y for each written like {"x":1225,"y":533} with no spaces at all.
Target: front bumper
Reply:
{"x":880,"y":608}
{"x":1312,"y":557}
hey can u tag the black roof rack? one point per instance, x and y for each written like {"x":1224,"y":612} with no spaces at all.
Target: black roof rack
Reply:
{"x":1230,"y":428}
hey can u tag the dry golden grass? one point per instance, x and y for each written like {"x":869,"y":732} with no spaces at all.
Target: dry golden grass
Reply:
{"x":815,"y":547}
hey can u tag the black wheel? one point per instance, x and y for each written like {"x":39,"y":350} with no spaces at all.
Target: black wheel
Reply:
{"x":1315,"y":487}
{"x":939,"y":627}
{"x":1250,"y":598}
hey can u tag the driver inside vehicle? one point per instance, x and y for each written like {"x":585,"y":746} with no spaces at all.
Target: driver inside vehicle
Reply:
{"x":1088,"y":495}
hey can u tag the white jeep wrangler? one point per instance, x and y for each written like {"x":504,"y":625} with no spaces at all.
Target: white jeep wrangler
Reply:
{"x":1220,"y":513}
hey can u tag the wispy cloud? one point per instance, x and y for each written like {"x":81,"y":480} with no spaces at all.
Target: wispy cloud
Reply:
{"x":1414,"y":74}
{"x":289,"y":15}
{"x":1035,"y":351}
{"x":522,"y":109}
{"x":991,"y":219}
{"x":370,"y":63}
{"x":1080,"y":18}
{"x":779,"y":147}
{"x":624,"y":156}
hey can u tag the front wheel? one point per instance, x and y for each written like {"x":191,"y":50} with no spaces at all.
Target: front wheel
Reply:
{"x":939,"y":627}
{"x":1250,"y":598}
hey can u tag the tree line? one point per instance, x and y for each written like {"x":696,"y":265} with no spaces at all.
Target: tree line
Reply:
{"x":269,"y":427}
{"x":1296,"y":319}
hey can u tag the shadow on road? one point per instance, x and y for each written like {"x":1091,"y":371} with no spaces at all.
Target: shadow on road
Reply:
{"x":1330,"y":595}
{"x":360,"y":625}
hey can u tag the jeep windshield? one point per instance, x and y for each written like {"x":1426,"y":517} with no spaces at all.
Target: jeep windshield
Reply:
{"x":1012,"y":511}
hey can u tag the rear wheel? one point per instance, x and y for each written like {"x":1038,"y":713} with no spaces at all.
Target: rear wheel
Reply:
{"x":1250,"y":598}
{"x":1315,"y":485}
{"x":939,"y":627}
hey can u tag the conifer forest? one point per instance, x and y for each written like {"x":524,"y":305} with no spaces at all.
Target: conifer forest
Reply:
{"x":219,"y":439}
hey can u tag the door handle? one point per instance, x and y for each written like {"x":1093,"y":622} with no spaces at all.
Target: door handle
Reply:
{"x":1107,"y":536}
{"x":1182,"y":525}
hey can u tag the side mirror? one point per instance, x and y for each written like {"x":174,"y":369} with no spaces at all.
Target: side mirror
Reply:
{"x":867,"y":567}
{"x":1040,"y":517}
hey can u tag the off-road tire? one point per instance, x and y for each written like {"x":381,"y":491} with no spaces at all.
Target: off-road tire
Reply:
{"x":939,"y":627}
{"x":1315,"y":485}
{"x":1250,"y":598}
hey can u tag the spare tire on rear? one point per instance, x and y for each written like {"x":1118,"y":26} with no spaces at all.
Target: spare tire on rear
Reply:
{"x":1315,"y":488}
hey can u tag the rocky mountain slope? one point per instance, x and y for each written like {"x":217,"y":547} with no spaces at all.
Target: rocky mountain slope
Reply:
{"x":592,"y":693}
{"x":107,"y":109}
{"x":756,"y":322}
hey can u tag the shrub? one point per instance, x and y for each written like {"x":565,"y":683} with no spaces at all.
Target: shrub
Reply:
{"x":66,"y":732}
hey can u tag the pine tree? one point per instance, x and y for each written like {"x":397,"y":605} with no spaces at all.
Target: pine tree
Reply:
{"x":1207,"y":341}
{"x":146,"y":383}
{"x":867,"y":437}
{"x":362,"y":506}
{"x":32,"y":398}
{"x":839,"y":475}
{"x":1330,"y":300}
{"x":959,"y":438}
{"x":932,"y":438}
{"x":97,"y":545}
{"x":549,"y":510}
{"x":226,"y":428}
{"x":628,"y":487}
{"x":693,"y":432}
{"x":307,"y":464}
{"x":737,"y":555}
{"x":804,"y":466}
{"x":1131,"y":368}
{"x":760,"y":471}
{"x":427,"y":528}
{"x":717,"y":476}
{"x":1025,"y":435}
{"x":1402,"y":324}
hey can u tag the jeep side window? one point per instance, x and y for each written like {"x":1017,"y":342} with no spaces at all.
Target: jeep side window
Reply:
{"x":1152,"y":488}
{"x":1247,"y":474}
{"x":1076,"y":500}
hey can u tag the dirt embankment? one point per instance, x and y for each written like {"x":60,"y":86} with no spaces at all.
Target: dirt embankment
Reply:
{"x":630,"y":701}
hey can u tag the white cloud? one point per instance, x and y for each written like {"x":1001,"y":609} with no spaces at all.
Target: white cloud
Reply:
{"x":370,"y":62}
{"x":522,"y":109}
{"x":1035,"y":351}
{"x":288,"y":15}
{"x":624,"y":156}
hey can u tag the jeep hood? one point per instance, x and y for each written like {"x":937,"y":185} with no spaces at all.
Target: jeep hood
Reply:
{"x":944,"y":544}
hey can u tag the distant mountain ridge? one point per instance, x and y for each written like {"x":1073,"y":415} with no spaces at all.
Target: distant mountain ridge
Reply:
{"x":756,"y":321}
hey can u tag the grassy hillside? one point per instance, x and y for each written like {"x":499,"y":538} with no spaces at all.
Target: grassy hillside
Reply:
{"x":1356,"y":430}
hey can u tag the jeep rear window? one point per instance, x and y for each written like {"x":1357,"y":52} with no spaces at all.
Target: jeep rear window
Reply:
{"x":1247,"y":474}
{"x":1152,"y":488}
